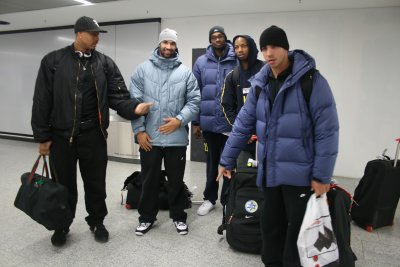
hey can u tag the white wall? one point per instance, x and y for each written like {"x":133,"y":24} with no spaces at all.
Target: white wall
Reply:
{"x":355,"y":49}
{"x":21,"y":53}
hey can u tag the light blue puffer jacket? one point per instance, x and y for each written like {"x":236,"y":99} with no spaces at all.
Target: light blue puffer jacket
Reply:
{"x":173,"y":89}
{"x":295,"y":144}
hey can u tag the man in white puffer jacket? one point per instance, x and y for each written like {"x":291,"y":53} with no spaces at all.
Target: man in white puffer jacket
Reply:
{"x":163,"y":133}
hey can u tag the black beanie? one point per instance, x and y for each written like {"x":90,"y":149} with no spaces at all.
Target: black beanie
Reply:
{"x":274,"y":36}
{"x":216,"y":29}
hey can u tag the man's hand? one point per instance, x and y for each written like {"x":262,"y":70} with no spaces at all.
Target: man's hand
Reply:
{"x":143,"y":108}
{"x":44,"y":148}
{"x":319,"y":188}
{"x":144,"y":141}
{"x":252,"y":139}
{"x":170,"y":126}
{"x":223,"y":172}
{"x":196,"y":131}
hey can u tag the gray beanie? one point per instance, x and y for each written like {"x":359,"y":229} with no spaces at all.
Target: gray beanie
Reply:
{"x":168,"y":35}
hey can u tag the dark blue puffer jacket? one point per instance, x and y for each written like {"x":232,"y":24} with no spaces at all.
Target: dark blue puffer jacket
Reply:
{"x":210,"y":73}
{"x":295,"y":144}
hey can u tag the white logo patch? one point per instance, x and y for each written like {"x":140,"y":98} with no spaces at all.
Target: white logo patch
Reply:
{"x":95,"y":22}
{"x":251,"y":206}
{"x":246,"y":90}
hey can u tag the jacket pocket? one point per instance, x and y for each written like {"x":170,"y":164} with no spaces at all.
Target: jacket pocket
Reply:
{"x":307,"y":147}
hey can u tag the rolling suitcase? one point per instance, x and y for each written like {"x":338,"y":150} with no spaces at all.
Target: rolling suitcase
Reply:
{"x":377,"y":195}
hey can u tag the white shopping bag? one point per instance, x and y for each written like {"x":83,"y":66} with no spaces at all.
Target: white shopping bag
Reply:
{"x":317,"y":242}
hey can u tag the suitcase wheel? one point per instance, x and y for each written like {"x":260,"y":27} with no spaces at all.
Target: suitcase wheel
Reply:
{"x":128,"y":206}
{"x":369,"y":228}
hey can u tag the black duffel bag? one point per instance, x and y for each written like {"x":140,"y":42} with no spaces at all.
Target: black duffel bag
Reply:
{"x":133,"y":184}
{"x":44,"y":199}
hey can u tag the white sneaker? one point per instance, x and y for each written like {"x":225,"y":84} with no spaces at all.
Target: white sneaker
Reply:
{"x":205,"y":208}
{"x":143,"y":228}
{"x":181,"y":227}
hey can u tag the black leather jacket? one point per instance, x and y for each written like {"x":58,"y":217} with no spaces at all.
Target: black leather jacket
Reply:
{"x":57,"y":101}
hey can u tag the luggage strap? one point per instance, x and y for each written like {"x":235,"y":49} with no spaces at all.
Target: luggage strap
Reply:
{"x":336,"y":186}
{"x":45,"y":169}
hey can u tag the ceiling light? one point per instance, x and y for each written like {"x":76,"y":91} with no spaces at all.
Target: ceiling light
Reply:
{"x":84,"y":2}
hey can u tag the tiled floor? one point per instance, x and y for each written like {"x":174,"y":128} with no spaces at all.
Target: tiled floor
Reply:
{"x":25,"y":243}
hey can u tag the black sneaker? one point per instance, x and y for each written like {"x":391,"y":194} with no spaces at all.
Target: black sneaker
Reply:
{"x":100,"y":233}
{"x":59,"y":237}
{"x":143,"y":228}
{"x":181,"y":227}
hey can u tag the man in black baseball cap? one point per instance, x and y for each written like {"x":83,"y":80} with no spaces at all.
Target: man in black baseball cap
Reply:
{"x":70,"y":116}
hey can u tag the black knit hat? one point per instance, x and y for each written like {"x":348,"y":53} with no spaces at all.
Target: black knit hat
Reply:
{"x":86,"y":24}
{"x":274,"y":36}
{"x":216,"y":29}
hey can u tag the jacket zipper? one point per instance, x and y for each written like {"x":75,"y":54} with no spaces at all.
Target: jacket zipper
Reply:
{"x":230,"y":219}
{"x":98,"y":103}
{"x":71,"y":139}
{"x":119,"y":90}
{"x":268,"y":112}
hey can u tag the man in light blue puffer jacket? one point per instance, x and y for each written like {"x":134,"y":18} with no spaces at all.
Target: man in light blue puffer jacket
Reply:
{"x":163,"y":134}
{"x":298,"y":143}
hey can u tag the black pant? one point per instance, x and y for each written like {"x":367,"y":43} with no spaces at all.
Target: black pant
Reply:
{"x":174,"y":163}
{"x":282,"y":215}
{"x":215,"y":143}
{"x":90,"y":149}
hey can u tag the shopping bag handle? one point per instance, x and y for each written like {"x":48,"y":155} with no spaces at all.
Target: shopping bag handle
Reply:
{"x":44,"y":169}
{"x":53,"y":170}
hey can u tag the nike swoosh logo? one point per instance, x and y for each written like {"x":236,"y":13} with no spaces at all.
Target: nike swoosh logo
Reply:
{"x":248,"y":217}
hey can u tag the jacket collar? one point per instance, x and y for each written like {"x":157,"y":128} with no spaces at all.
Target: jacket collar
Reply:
{"x":164,"y":63}
{"x":229,"y":53}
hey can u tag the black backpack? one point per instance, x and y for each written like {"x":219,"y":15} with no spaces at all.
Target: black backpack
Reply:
{"x":241,"y":214}
{"x":133,"y":184}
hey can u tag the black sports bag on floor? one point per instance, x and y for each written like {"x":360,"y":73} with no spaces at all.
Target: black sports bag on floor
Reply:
{"x":133,"y":184}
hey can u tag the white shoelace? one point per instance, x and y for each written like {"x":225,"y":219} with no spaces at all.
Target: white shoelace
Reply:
{"x":181,"y":224}
{"x":144,"y":225}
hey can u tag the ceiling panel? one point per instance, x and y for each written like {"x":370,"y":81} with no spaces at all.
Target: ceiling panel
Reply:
{"x":14,"y":6}
{"x":34,"y":14}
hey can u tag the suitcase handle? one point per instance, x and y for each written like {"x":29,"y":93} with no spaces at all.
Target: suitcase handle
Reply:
{"x":396,"y":157}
